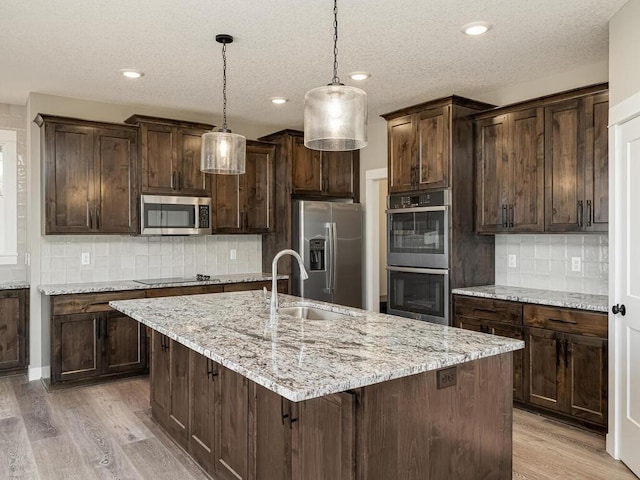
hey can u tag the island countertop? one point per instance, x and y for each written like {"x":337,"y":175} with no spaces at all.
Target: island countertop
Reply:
{"x":303,"y":359}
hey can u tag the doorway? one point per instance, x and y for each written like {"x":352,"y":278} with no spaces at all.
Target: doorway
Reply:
{"x":375,"y":235}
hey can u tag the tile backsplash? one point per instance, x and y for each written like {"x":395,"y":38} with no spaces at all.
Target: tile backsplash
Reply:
{"x":545,"y":261}
{"x":128,"y":258}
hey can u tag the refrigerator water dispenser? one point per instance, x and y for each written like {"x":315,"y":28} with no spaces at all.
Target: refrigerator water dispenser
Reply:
{"x":317,"y":254}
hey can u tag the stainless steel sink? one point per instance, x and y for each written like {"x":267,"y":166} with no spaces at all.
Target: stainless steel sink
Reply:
{"x":312,"y":313}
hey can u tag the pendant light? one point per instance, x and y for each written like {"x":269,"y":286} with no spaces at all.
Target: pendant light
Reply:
{"x":335,"y":116}
{"x":223,"y":152}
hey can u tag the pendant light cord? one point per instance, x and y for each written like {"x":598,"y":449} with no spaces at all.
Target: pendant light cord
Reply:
{"x":335,"y":80}
{"x":224,"y":87}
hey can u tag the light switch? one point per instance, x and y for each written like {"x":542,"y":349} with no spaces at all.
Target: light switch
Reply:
{"x":512,"y":261}
{"x":232,"y":254}
{"x":86,"y":258}
{"x":576,"y":264}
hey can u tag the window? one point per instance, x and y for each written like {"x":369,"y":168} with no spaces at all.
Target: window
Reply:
{"x":8,"y":198}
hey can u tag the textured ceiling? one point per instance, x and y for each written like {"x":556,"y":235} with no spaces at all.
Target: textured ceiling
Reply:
{"x":413,"y":48}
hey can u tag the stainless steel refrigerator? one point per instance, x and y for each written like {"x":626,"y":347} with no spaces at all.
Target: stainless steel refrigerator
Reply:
{"x":328,"y":237}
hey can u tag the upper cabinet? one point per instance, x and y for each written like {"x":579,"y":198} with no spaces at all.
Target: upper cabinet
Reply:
{"x":318,"y":173}
{"x":542,"y":165}
{"x":90,"y":176}
{"x":576,"y":165}
{"x":421,"y":141}
{"x":509,"y":172}
{"x":244,"y":203}
{"x":170,"y":152}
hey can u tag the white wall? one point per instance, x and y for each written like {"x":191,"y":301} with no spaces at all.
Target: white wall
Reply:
{"x":56,"y":259}
{"x":624,"y":39}
{"x":13,"y":117}
{"x":384,"y":190}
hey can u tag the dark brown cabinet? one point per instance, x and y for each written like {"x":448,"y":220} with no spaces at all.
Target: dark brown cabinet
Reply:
{"x":497,"y":318}
{"x":14,"y":331}
{"x":202,"y":421}
{"x":318,"y":173}
{"x":510,"y":172}
{"x":576,"y":164}
{"x":244,"y":203}
{"x":425,"y":140}
{"x":90,"y":340}
{"x":90,"y":176}
{"x":566,"y":362}
{"x":170,"y":156}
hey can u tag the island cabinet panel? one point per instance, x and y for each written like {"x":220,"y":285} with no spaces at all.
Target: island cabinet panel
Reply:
{"x":232,"y":422}
{"x":160,"y":378}
{"x":405,"y":428}
{"x":90,"y":176}
{"x":496,"y":317}
{"x":202,"y":421}
{"x":13,"y":330}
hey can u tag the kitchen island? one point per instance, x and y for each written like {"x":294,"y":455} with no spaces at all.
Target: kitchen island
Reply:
{"x":358,"y":395}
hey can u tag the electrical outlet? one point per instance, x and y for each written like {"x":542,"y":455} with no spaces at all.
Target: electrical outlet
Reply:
{"x":447,"y":377}
{"x":576,"y":264}
{"x":232,"y":254}
{"x":512,"y":261}
{"x":86,"y":258}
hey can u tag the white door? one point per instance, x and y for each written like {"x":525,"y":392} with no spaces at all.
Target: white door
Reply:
{"x":627,"y":290}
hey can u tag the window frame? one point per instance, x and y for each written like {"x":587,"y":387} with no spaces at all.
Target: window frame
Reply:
{"x":9,"y":215}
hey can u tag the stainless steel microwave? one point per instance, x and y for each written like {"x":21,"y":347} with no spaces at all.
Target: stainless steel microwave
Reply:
{"x":172,"y":215}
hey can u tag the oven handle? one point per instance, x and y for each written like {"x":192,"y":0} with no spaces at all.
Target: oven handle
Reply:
{"x":433,"y":271}
{"x":442,"y":208}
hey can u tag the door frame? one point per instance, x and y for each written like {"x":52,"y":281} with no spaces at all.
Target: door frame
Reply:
{"x":618,"y":115}
{"x":372,"y":243}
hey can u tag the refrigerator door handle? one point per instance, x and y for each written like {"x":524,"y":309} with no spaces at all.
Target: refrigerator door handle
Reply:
{"x":334,"y":256}
{"x":329,"y":259}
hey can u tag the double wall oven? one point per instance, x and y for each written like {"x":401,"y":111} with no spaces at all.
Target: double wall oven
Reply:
{"x":418,"y":256}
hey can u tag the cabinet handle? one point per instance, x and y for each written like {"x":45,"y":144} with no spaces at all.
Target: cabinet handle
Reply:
{"x":484,"y":310}
{"x":98,"y":219}
{"x":105,"y":326}
{"x":282,"y":413}
{"x":589,"y":213}
{"x":211,"y":373}
{"x":566,"y":353}
{"x":96,"y":322}
{"x":562,"y":320}
{"x":173,"y":180}
{"x":511,"y":219}
{"x":89,"y":217}
{"x":580,"y":214}
{"x":179,"y":180}
{"x":504,"y":217}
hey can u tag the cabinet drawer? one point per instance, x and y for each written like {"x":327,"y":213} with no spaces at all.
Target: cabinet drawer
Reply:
{"x":90,"y":302}
{"x":566,"y":320}
{"x":488,"y":309}
{"x":174,"y":291}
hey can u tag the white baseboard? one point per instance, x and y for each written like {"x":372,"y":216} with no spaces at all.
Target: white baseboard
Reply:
{"x":36,"y":373}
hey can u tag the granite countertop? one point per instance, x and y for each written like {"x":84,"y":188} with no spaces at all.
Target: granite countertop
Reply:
{"x":93,"y":287}
{"x":581,"y":301}
{"x":302,"y":359}
{"x":16,"y":285}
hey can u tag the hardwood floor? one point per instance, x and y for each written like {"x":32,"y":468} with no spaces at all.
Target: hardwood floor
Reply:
{"x":106,"y":431}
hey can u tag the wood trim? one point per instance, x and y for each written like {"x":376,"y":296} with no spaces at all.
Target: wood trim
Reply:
{"x":138,"y":119}
{"x":440,"y":102}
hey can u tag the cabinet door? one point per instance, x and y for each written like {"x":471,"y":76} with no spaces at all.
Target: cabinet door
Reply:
{"x":159,"y":152}
{"x":402,"y":154}
{"x":124,"y":343}
{"x":493,"y":175}
{"x":191,"y":181}
{"x":272,"y":435}
{"x":330,"y":456}
{"x":160,"y":377}
{"x":586,"y":362}
{"x":259,"y":189}
{"x":69,"y":178}
{"x":178,"y":413}
{"x":597,"y":166}
{"x":544,"y":367}
{"x":232,"y":425}
{"x":341,"y":171}
{"x":468,"y":323}
{"x":202,"y":374}
{"x":13,"y":323}
{"x":510,"y":331}
{"x":75,"y":347}
{"x":525,"y":210}
{"x":564,"y":132}
{"x":306,"y":169}
{"x":116,"y":156}
{"x":227,"y":211}
{"x":434,"y":148}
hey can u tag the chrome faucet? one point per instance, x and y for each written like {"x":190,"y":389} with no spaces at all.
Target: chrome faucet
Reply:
{"x":274,"y":274}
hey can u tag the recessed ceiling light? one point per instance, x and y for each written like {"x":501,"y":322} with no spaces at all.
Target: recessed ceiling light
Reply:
{"x":279,"y":100}
{"x":359,"y":75}
{"x":131,"y":73}
{"x":476,"y":28}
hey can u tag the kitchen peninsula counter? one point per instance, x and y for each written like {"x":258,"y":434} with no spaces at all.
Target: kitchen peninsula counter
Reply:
{"x":364,"y":396}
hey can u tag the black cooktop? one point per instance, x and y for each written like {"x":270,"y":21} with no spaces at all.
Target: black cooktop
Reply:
{"x":154,"y":281}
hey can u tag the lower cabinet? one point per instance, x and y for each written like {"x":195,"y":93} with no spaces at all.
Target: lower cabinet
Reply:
{"x":14,"y":332}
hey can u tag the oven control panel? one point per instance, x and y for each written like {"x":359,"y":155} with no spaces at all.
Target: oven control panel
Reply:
{"x":424,"y":199}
